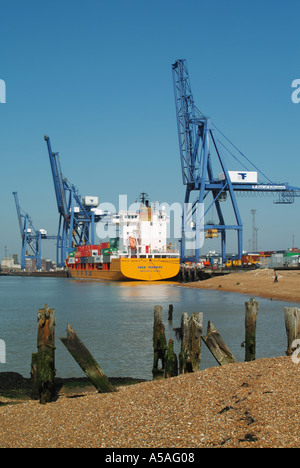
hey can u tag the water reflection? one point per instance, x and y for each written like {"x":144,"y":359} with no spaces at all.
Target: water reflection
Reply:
{"x":115,"y":321}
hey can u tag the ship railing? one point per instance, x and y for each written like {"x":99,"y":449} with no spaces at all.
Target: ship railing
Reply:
{"x":152,"y":255}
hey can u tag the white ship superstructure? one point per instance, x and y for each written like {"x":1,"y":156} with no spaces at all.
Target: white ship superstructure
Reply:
{"x":142,"y":232}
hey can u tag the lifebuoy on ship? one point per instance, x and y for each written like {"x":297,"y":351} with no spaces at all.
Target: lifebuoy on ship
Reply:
{"x":132,"y":243}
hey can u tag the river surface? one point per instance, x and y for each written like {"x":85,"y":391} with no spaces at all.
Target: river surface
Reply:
{"x":115,"y":322}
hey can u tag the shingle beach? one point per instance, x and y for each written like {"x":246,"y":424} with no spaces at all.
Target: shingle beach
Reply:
{"x":245,"y":405}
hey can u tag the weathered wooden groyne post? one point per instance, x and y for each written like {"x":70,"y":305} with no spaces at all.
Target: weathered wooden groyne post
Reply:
{"x":43,"y":362}
{"x":217,"y":346}
{"x":87,"y":362}
{"x":170,"y":313}
{"x":171,"y":361}
{"x":159,"y":344}
{"x":190,"y":354}
{"x":251,"y":309}
{"x":292,"y":325}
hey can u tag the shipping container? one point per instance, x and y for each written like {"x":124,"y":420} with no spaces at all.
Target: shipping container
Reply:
{"x":291,"y":254}
{"x":114,"y":242}
{"x":98,"y":259}
{"x":90,"y":253}
{"x":86,"y":253}
{"x":94,"y":247}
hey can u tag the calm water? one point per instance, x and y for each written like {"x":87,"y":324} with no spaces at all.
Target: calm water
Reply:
{"x":115,"y":321}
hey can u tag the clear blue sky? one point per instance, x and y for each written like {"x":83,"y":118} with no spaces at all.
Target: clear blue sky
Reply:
{"x":96,"y":77}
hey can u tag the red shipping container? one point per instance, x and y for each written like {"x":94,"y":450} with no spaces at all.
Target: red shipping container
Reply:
{"x":82,"y":253}
{"x":94,"y":247}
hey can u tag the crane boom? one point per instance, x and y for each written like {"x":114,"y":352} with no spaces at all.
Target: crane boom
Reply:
{"x":15,"y":194}
{"x":58,"y":180}
{"x":190,"y":121}
{"x":77,"y":218}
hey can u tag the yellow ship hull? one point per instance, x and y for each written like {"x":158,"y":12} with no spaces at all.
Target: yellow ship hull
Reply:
{"x":122,"y":269}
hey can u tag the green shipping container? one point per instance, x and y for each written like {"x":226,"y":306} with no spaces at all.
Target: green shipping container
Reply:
{"x":114,"y":243}
{"x":109,"y":251}
{"x":291,"y":254}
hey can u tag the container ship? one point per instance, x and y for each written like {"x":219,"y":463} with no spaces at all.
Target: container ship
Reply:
{"x":138,"y":249}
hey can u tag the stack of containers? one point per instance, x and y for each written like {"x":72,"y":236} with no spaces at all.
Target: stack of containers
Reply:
{"x":94,"y":253}
{"x":71,"y":257}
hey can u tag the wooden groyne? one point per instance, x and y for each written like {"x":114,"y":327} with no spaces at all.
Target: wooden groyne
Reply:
{"x":43,"y":361}
{"x":188,"y":361}
{"x":190,"y":335}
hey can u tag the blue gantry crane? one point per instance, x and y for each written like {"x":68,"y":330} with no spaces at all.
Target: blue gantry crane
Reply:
{"x":77,"y":215}
{"x":31,"y":238}
{"x":203,"y":149}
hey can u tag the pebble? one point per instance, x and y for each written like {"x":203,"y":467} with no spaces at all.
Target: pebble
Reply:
{"x":261,"y":399}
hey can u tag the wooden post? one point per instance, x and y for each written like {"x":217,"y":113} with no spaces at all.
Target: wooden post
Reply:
{"x":292,"y":325}
{"x":171,"y":361}
{"x":43,"y":362}
{"x":190,"y":354}
{"x":159,"y":343}
{"x":86,"y":361}
{"x":251,"y":309}
{"x":170,"y":314}
{"x":217,"y":347}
